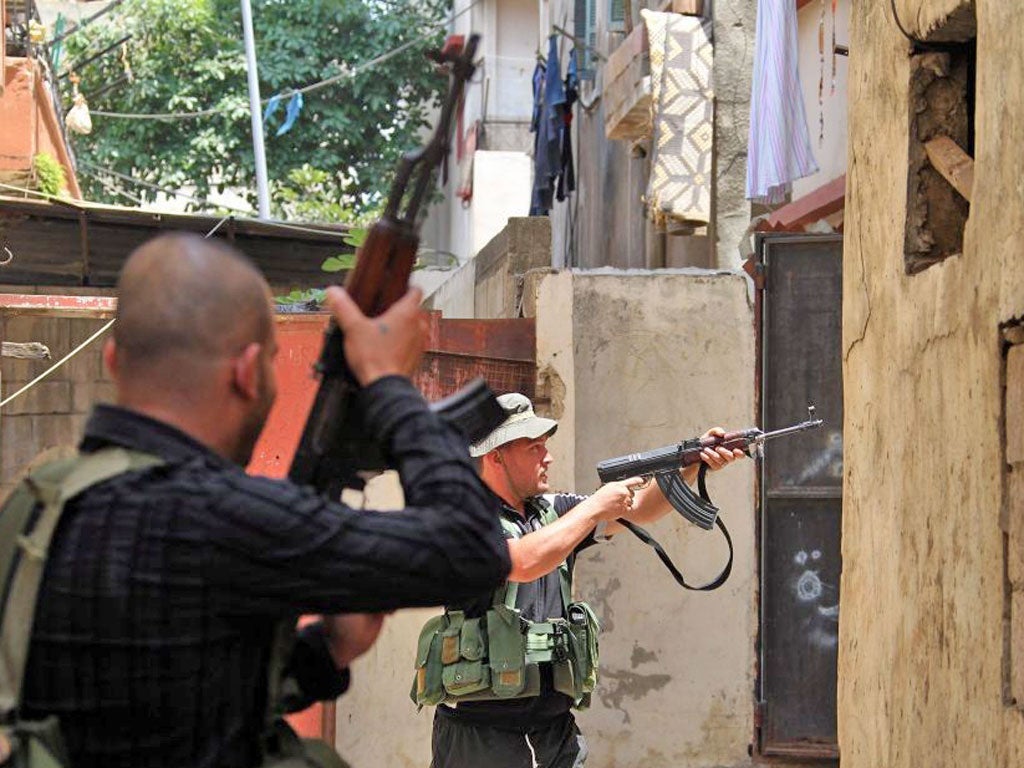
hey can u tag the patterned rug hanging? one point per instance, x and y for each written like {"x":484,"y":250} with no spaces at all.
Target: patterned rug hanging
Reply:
{"x":682,"y":104}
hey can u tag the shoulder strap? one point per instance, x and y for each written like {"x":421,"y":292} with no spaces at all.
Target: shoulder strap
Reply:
{"x":646,"y":538}
{"x":26,"y":541}
{"x":548,"y":515}
{"x":509,"y":591}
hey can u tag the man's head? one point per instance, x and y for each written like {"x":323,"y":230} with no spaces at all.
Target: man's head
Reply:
{"x":514,"y":458}
{"x":194,"y":342}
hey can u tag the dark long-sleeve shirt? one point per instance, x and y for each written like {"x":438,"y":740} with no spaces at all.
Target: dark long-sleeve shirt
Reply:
{"x":163,"y":586}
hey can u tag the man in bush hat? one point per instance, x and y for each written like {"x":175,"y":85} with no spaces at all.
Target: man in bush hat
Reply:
{"x":506,"y":669}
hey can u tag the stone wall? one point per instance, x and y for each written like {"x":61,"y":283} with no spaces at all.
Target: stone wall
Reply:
{"x":931,"y":508}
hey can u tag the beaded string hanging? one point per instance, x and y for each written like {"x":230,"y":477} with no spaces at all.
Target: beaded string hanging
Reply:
{"x":821,"y":74}
{"x":833,"y":91}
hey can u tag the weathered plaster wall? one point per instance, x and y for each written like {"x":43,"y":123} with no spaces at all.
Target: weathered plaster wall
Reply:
{"x":921,"y":638}
{"x":643,"y":377}
{"x":454,"y":297}
{"x":522,"y":246}
{"x":829,"y":143}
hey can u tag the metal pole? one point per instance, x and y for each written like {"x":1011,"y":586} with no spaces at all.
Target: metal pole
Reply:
{"x":262,"y":194}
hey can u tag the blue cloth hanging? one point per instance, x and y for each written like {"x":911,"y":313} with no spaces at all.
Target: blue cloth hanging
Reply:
{"x":294,"y":108}
{"x":272,"y":104}
{"x":566,"y":170}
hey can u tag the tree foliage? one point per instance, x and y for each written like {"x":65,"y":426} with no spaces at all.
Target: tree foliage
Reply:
{"x":188,"y":55}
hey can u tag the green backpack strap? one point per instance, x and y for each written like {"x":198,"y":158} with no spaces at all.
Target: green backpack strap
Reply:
{"x":25,"y":536}
{"x":548,"y":515}
{"x":508,"y":592}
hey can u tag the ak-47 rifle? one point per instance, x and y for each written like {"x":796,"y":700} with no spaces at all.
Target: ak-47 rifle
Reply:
{"x":663,"y":465}
{"x":335,"y":447}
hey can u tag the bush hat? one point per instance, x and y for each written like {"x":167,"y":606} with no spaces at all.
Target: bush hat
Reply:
{"x":520,"y":421}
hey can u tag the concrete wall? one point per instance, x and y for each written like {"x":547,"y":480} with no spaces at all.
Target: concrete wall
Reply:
{"x":522,"y":246}
{"x":922,"y":660}
{"x":628,"y":373}
{"x":622,"y":371}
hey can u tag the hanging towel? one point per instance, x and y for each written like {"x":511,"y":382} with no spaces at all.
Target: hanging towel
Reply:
{"x":682,"y":106}
{"x":779,"y":149}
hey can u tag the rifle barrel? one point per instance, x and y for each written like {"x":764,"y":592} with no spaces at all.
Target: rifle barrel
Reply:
{"x":802,"y":426}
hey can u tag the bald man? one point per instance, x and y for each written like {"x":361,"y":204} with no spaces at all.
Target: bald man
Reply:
{"x":164,"y":585}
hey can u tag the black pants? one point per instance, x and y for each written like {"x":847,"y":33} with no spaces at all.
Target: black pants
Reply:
{"x":458,"y":744}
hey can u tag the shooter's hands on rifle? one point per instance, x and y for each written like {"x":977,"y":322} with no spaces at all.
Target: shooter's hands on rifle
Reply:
{"x":389,"y":344}
{"x":715,"y":458}
{"x":615,"y":499}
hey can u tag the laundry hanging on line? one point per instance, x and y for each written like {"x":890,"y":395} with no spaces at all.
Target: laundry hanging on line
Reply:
{"x":779,"y":148}
{"x":553,"y":98}
{"x":682,"y":104}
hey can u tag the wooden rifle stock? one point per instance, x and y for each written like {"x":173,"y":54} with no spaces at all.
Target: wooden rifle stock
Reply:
{"x":381,"y":274}
{"x":336,"y":447}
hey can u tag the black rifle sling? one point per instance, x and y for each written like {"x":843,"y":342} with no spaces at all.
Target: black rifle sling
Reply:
{"x":646,"y":538}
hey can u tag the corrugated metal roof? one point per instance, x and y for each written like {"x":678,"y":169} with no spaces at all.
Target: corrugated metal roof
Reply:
{"x":74,"y":243}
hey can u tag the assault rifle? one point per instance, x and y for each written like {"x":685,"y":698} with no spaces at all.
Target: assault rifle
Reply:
{"x":663,"y":465}
{"x":336,"y":449}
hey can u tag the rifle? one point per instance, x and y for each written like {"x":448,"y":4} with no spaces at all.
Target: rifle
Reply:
{"x":336,"y":449}
{"x":663,"y":465}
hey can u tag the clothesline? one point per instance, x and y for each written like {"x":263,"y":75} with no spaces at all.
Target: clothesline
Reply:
{"x":346,"y":74}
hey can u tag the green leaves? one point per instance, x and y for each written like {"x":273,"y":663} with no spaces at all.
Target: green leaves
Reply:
{"x":339,"y":262}
{"x":50,"y":174}
{"x":187,"y":55}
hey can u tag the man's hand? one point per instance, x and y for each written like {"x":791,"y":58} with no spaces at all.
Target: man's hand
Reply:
{"x":715,"y":458}
{"x":613,"y":500}
{"x":350,"y":635}
{"x":391,"y":343}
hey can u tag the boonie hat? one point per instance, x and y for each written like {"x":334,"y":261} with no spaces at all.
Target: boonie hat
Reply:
{"x":520,"y":421}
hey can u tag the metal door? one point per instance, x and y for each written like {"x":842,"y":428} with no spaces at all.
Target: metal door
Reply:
{"x":800,"y":494}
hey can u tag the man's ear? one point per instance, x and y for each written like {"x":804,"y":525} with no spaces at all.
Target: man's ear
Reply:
{"x":245,"y":371}
{"x":110,"y":357}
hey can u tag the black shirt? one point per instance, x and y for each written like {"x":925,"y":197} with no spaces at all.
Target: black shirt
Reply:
{"x":163,"y":586}
{"x":537,"y":600}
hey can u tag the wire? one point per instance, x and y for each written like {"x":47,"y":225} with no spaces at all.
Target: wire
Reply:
{"x":59,"y":363}
{"x":346,"y":74}
{"x":109,"y":186}
{"x":44,"y":195}
{"x":163,"y":190}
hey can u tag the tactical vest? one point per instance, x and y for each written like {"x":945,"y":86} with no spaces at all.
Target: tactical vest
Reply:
{"x":27,"y":522}
{"x":497,"y":656}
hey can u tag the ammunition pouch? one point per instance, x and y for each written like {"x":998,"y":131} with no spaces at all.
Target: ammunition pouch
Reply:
{"x":498,"y":656}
